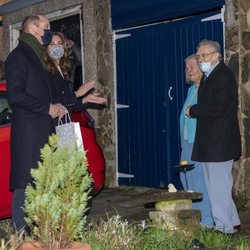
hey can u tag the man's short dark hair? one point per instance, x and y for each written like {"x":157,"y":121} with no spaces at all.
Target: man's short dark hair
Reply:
{"x":35,"y":19}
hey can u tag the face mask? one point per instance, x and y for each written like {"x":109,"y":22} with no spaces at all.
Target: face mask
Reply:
{"x":47,"y":37}
{"x":56,"y":52}
{"x":205,"y":66}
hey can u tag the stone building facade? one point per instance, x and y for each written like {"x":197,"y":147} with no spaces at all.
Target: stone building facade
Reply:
{"x":237,"y":46}
{"x":1,"y":44}
{"x":98,"y":60}
{"x":99,"y":65}
{"x":237,"y":41}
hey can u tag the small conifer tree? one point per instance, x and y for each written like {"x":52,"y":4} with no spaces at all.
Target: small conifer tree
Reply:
{"x":56,"y":201}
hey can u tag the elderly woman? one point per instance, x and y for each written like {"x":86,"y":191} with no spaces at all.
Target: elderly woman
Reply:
{"x":194,"y":176}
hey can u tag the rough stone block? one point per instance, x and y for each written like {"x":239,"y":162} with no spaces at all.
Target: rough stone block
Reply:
{"x":244,"y":4}
{"x":173,"y":205}
{"x":185,"y":222}
{"x":245,"y":97}
{"x":246,"y":150}
{"x":232,"y":39}
{"x":246,"y":39}
{"x":233,"y":64}
{"x":248,"y":18}
{"x":245,"y":65}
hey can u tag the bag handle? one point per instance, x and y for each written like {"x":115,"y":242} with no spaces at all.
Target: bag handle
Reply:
{"x":67,"y":119}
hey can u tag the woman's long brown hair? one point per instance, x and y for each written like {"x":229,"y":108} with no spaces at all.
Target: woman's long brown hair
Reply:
{"x":64,"y":62}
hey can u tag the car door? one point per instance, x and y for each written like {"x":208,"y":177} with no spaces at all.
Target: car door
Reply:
{"x":5,"y":127}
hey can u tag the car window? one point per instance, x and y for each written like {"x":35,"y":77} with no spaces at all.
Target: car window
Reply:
{"x":5,"y":110}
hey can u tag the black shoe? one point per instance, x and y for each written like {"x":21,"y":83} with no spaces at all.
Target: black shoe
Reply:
{"x":237,"y":228}
{"x":223,"y":233}
{"x":196,"y":244}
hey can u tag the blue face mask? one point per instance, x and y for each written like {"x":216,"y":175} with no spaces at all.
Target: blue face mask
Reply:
{"x":205,"y":66}
{"x":56,"y":52}
{"x":47,"y":37}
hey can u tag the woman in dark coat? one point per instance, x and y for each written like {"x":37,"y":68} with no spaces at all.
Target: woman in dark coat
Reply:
{"x":58,"y":65}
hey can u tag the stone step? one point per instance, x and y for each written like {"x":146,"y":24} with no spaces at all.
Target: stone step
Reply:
{"x":173,"y":205}
{"x":182,"y":222}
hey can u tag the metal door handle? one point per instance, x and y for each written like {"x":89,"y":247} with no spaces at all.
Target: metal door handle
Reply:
{"x":169,"y":93}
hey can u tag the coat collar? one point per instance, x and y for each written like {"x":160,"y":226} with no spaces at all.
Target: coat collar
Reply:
{"x":216,"y":69}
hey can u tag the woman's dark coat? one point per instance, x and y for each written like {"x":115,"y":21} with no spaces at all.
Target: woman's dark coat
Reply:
{"x":61,"y":93}
{"x":30,"y":98}
{"x":217,"y":136}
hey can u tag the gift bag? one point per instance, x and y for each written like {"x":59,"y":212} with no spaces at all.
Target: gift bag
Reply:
{"x":69,"y":134}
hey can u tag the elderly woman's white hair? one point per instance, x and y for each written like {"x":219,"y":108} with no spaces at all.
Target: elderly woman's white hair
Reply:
{"x":193,"y":56}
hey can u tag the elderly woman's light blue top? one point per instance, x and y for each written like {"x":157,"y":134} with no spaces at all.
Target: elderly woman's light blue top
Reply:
{"x":187,"y":124}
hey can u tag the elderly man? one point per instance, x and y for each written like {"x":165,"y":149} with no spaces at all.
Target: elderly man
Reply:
{"x":217,"y":140}
{"x":29,"y":96}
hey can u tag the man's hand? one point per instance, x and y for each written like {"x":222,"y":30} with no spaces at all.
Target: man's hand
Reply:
{"x":94,"y":98}
{"x":57,"y":110}
{"x":84,"y":88}
{"x":187,"y":111}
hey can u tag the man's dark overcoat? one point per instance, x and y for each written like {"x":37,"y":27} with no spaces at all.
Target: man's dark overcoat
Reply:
{"x":217,"y":136}
{"x":29,"y":96}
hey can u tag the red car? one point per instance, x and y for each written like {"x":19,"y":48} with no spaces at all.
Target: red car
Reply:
{"x":94,"y":153}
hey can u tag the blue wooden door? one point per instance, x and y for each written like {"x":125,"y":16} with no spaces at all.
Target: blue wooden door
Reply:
{"x":150,"y":92}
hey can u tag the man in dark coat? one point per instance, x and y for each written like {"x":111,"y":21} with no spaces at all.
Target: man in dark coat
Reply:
{"x":217,"y":141}
{"x":30,"y":99}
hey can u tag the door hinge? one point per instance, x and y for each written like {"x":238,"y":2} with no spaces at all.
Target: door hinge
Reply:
{"x":121,"y":106}
{"x":122,"y":175}
{"x":120,"y":36}
{"x":212,"y":18}
{"x":219,"y":16}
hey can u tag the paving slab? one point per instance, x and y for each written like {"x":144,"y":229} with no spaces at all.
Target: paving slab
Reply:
{"x":132,"y":203}
{"x":135,"y":203}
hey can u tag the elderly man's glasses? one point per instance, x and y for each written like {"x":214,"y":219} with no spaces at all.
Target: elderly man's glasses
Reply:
{"x":204,"y":55}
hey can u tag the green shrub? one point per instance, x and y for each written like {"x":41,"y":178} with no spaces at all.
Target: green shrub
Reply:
{"x":56,"y":202}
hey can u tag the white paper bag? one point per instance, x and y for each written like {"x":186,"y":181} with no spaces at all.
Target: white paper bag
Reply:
{"x":78,"y":136}
{"x":69,"y":134}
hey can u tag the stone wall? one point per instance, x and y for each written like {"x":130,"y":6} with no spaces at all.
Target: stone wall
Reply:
{"x":89,"y":27}
{"x":237,"y":40}
{"x":1,"y":45}
{"x":105,"y":69}
{"x":98,"y":61}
